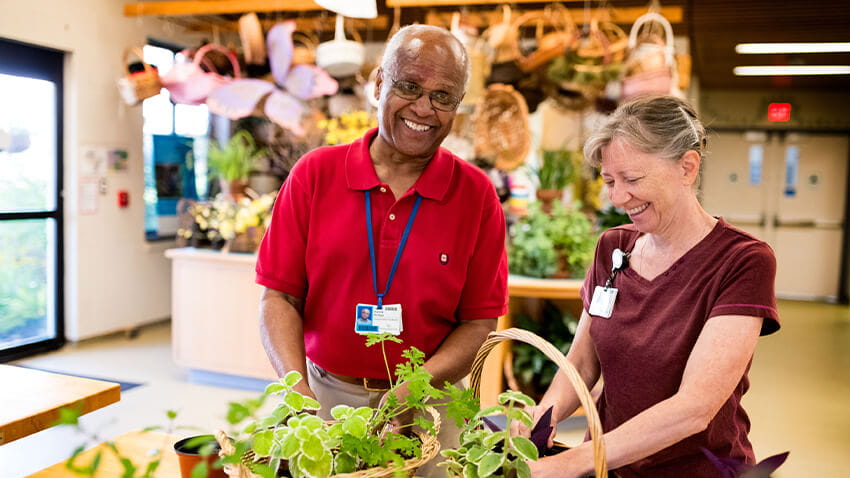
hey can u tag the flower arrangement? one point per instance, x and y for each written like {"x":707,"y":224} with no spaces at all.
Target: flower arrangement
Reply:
{"x":225,"y":219}
{"x":348,"y":127}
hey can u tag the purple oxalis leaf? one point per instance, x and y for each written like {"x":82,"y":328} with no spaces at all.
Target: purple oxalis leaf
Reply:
{"x":542,"y":431}
{"x":491,"y":425}
{"x":734,"y":468}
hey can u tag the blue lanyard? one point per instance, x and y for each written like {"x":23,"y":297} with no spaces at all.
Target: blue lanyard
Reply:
{"x":398,"y":252}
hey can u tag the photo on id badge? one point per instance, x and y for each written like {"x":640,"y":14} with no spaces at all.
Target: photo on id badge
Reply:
{"x":363,"y":319}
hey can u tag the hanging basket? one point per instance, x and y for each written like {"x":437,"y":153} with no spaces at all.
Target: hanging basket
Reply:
{"x":651,"y":66}
{"x":140,"y":85}
{"x":501,"y":127}
{"x":593,"y":422}
{"x":430,"y":449}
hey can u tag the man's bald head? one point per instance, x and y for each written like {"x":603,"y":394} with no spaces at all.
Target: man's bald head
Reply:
{"x":410,"y":41}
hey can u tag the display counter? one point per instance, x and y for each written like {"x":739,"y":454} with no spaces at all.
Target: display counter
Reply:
{"x":215,"y":316}
{"x":215,"y":313}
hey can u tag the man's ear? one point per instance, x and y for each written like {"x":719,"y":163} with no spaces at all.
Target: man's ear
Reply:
{"x":690,"y":163}
{"x":379,"y":80}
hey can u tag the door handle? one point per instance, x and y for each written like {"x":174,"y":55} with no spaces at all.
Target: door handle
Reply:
{"x":794,"y":223}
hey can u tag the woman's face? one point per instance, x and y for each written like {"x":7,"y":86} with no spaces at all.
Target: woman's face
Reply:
{"x":653,"y":191}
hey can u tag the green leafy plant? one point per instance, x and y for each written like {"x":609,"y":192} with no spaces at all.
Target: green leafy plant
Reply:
{"x":70,"y":416}
{"x":292,"y":437}
{"x":235,"y":160}
{"x":555,"y":171}
{"x":487,"y":451}
{"x":543,"y":245}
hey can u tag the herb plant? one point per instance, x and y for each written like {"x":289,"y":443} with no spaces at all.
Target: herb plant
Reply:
{"x":485,"y":450}
{"x":235,"y":160}
{"x":359,"y":438}
{"x":545,"y":244}
{"x":555,"y":171}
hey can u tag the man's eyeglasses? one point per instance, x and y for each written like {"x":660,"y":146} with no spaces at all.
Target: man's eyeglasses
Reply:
{"x":440,"y":100}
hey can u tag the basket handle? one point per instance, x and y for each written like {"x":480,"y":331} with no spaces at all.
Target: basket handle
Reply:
{"x":668,"y":33}
{"x":593,"y":422}
{"x":202,"y":51}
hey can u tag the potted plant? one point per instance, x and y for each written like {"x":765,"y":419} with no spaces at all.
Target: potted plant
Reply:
{"x":559,"y":244}
{"x":238,"y":226}
{"x":553,"y":174}
{"x":293,"y":440}
{"x":233,"y":162}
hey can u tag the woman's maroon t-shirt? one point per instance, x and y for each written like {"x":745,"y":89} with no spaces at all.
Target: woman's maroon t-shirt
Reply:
{"x":644,"y":346}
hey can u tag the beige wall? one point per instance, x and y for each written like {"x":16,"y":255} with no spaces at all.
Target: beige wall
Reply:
{"x":114,"y":279}
{"x":810,"y":110}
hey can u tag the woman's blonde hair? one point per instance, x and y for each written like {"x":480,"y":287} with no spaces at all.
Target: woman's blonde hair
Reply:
{"x":662,"y":125}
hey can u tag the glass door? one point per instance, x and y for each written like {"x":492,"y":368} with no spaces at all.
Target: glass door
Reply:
{"x":31,"y":294}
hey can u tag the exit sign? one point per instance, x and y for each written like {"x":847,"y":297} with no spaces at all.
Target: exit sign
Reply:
{"x":778,"y":112}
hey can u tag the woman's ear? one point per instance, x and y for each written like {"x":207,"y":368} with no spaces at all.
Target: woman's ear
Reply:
{"x":690,"y":163}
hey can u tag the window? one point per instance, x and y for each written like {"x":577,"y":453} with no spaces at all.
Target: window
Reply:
{"x":175,"y":149}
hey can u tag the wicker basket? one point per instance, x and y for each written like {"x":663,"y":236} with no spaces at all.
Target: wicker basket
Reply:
{"x":430,"y":449}
{"x":501,"y":127}
{"x":138,"y":86}
{"x":593,"y":422}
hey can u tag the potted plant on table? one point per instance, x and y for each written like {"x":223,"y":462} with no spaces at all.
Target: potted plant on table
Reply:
{"x":553,"y":174}
{"x":233,"y":162}
{"x":555,"y":245}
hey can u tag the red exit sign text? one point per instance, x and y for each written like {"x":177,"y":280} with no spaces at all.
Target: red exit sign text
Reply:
{"x":777,"y":112}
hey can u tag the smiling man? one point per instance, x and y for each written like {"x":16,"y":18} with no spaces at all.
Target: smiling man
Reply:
{"x":391,"y":223}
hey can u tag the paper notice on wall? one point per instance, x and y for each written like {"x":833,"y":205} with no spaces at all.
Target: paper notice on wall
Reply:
{"x":88,"y":197}
{"x":792,"y":167}
{"x":93,"y":160}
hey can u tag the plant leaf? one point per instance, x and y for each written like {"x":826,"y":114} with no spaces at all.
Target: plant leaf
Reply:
{"x":522,"y":469}
{"x":490,"y":463}
{"x":291,"y":378}
{"x":524,"y":447}
{"x":542,"y":431}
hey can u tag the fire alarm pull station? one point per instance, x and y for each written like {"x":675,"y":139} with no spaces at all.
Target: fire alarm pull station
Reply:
{"x":123,"y":199}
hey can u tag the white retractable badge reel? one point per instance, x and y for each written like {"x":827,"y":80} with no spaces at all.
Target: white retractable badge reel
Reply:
{"x":604,"y":297}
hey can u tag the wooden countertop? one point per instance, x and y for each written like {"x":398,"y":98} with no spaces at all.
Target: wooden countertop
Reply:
{"x":31,"y":399}
{"x":135,"y":445}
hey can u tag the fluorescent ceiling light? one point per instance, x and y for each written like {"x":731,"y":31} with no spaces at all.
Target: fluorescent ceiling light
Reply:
{"x":811,"y":47}
{"x":792,"y":70}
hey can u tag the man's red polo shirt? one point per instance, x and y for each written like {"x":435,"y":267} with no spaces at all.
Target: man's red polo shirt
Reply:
{"x":453,"y":267}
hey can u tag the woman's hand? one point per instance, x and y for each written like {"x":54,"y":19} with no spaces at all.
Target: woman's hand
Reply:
{"x":557,"y":466}
{"x":519,"y":429}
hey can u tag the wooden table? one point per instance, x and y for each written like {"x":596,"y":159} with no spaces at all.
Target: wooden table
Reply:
{"x":31,"y":399}
{"x":134,"y":445}
{"x":492,"y":377}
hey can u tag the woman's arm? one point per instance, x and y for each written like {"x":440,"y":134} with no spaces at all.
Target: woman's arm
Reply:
{"x":561,"y":395}
{"x":715,"y":367}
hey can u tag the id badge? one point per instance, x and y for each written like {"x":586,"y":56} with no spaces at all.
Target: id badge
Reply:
{"x":369,"y":319}
{"x":602,"y":304}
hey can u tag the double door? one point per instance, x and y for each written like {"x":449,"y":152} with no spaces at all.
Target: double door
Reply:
{"x":790,"y":190}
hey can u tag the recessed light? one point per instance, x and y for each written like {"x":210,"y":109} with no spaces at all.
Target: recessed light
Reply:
{"x":810,"y":47}
{"x":792,"y":70}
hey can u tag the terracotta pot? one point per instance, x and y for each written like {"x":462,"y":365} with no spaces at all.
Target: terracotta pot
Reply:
{"x":547,"y":197}
{"x":235,"y":189}
{"x":188,"y":456}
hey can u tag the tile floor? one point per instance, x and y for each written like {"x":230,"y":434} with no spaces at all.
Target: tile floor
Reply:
{"x":799,"y":399}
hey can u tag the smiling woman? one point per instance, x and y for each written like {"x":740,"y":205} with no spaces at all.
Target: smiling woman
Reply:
{"x":674,"y":331}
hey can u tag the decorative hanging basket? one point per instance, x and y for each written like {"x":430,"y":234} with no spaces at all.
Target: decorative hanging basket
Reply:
{"x":430,"y":449}
{"x":140,"y":85}
{"x":651,"y":66}
{"x":501,"y":127}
